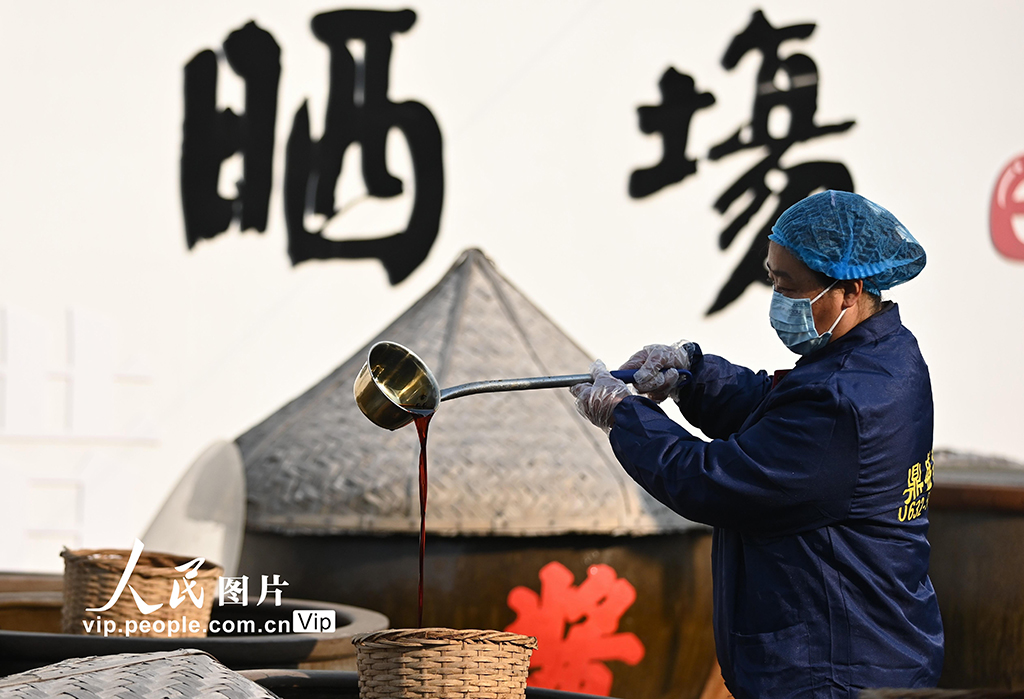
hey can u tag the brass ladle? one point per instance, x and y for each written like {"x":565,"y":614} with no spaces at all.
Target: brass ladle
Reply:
{"x":394,"y":386}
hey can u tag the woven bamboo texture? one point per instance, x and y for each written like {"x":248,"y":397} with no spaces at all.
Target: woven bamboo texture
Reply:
{"x":519,"y":464}
{"x":166,"y":675}
{"x":91,"y":577}
{"x":443,"y":664}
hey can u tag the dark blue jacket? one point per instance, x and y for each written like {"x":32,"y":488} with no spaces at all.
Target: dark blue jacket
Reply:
{"x":818,"y":492}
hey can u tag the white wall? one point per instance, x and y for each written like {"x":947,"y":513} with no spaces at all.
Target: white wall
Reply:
{"x":537,"y":105}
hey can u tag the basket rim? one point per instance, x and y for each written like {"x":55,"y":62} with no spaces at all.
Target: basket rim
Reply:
{"x":114,"y":560}
{"x":435,"y":637}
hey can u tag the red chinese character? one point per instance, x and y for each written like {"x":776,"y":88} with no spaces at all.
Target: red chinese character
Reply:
{"x":1006,"y":206}
{"x":575,"y":628}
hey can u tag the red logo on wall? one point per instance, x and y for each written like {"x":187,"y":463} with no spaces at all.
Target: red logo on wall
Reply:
{"x":1005,"y":206}
{"x":575,"y":628}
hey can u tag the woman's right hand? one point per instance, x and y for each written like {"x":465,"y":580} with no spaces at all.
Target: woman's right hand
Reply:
{"x":657,"y":369}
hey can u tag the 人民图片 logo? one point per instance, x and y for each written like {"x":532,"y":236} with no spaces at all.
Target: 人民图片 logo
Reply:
{"x":231,"y":590}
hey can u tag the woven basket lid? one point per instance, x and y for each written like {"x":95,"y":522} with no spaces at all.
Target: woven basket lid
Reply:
{"x":436,"y":637}
{"x":519,"y":463}
{"x":162,"y":675}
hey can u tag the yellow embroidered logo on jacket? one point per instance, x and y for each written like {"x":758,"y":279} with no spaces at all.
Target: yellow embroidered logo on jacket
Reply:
{"x":919,"y":485}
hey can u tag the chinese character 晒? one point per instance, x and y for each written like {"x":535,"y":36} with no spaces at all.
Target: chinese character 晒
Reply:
{"x":359,"y":111}
{"x":211,"y":136}
{"x":233,"y":590}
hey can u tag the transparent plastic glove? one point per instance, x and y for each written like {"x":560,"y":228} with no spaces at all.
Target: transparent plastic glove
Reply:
{"x":657,"y":369}
{"x":596,"y":401}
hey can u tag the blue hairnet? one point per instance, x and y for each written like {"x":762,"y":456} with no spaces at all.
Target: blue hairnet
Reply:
{"x":845,"y":236}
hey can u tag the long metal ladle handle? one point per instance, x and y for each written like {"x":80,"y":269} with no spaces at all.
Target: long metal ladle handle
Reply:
{"x":499,"y":385}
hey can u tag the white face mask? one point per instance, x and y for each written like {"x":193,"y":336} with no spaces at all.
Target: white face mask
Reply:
{"x":793,"y":321}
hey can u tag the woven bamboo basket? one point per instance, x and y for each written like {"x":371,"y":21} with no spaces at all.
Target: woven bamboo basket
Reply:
{"x":178,"y":673}
{"x":443,"y":663}
{"x":91,"y":577}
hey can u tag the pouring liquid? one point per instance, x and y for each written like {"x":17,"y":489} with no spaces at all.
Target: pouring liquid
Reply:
{"x":421,"y":429}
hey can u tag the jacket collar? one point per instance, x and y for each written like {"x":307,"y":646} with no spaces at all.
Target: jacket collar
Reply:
{"x":885,"y":322}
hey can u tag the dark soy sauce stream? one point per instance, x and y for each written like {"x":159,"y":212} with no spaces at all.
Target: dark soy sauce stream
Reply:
{"x":421,"y":429}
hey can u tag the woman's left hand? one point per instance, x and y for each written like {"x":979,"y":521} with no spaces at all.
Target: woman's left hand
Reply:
{"x":596,"y":401}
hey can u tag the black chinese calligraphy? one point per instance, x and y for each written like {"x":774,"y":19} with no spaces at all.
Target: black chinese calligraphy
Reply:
{"x":679,"y":102}
{"x":802,"y":180}
{"x":210,"y":136}
{"x":790,"y":84}
{"x":359,"y":111}
{"x":786,"y":93}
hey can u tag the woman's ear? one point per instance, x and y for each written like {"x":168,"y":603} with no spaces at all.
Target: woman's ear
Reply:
{"x":853,"y":289}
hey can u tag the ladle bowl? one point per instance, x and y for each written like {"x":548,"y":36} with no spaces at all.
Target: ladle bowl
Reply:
{"x":394,"y":386}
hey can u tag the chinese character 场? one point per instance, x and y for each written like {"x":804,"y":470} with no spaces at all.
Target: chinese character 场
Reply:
{"x":233,"y":590}
{"x":267,"y":584}
{"x":787,"y":83}
{"x":576,"y":628}
{"x":358,"y":111}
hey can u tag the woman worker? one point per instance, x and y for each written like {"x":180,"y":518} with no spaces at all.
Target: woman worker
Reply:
{"x":816,"y":481}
